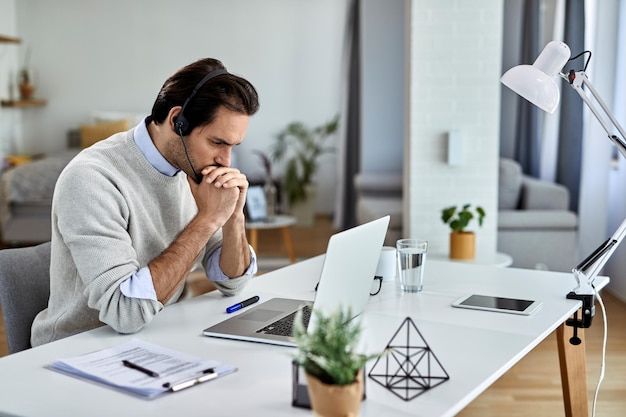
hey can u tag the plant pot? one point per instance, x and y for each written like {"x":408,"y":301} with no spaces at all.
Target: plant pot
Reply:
{"x":462,"y":245}
{"x":335,"y":400}
{"x":27,"y":91}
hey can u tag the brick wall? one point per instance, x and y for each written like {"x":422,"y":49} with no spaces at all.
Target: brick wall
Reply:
{"x":454,"y":70}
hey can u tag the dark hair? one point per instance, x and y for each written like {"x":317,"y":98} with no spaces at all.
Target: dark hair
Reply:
{"x":228,"y":90}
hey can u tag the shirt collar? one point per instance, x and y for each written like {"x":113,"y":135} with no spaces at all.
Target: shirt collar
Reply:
{"x":152,"y":154}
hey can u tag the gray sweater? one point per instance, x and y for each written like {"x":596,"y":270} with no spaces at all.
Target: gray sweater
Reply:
{"x":112,"y":213}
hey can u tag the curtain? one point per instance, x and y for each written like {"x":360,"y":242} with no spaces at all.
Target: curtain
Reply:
{"x":350,"y":149}
{"x":571,"y":121}
{"x":527,"y":138}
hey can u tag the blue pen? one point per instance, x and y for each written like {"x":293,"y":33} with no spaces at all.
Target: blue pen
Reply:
{"x":242,"y":304}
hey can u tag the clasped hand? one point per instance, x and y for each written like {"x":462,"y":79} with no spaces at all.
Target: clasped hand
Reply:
{"x":221,"y":194}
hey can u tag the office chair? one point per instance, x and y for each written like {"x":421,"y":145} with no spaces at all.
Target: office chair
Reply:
{"x":24,"y":291}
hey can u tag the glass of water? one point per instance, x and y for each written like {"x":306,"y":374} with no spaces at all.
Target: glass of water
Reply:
{"x":411,"y":255}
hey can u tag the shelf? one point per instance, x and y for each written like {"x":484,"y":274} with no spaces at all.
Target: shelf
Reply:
{"x":9,"y":39}
{"x":24,"y":103}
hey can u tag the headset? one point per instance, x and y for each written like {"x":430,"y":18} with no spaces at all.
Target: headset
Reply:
{"x":181,"y":124}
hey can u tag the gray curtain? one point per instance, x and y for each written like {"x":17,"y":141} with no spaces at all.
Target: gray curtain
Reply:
{"x":527,"y":139}
{"x":571,"y":122}
{"x":352,"y":154}
{"x":527,"y":136}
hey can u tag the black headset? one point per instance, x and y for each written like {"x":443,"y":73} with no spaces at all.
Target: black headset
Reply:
{"x":181,"y":124}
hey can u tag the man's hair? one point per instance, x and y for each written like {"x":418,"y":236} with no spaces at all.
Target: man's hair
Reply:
{"x":228,"y":90}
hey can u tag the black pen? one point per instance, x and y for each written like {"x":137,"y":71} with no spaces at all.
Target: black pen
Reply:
{"x":242,"y":304}
{"x":139,"y":368}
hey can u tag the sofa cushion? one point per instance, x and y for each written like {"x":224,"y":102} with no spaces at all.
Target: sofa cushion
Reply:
{"x":509,"y":184}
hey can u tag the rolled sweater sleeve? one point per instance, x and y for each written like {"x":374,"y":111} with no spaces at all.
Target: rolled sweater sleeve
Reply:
{"x":228,"y":286}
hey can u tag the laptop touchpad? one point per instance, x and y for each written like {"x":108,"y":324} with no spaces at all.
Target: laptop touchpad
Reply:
{"x":261,"y":315}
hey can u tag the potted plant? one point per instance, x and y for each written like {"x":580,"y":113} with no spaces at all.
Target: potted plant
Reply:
{"x":333,"y":368}
{"x":300,"y":147}
{"x":24,"y":79}
{"x":462,"y":242}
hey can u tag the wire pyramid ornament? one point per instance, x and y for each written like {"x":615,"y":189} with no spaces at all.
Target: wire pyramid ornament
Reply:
{"x":408,"y":370}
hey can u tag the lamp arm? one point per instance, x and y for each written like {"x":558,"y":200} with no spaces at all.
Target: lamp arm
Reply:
{"x":576,"y":80}
{"x":586,"y":272}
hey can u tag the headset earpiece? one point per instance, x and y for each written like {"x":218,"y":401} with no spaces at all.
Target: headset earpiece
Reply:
{"x":181,"y":124}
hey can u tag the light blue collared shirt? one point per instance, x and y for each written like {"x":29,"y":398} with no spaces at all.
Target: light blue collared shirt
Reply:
{"x":140,"y":284}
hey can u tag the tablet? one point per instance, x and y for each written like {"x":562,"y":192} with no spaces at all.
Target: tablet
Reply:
{"x":498,"y":304}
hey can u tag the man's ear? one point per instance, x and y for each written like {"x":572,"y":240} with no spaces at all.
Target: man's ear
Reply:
{"x":173,"y":120}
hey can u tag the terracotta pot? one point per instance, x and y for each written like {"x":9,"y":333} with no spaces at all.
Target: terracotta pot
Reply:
{"x":462,"y":245}
{"x":27,"y":91}
{"x":335,"y":400}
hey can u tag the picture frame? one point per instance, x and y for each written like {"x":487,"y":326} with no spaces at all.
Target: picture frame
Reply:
{"x":256,"y":204}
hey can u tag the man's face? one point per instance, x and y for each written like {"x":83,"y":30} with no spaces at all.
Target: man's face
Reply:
{"x":212,"y":144}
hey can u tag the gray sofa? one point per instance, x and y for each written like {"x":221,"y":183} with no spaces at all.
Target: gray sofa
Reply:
{"x":535,"y":226}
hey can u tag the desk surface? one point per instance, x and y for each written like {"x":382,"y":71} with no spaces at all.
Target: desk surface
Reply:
{"x":474,"y":347}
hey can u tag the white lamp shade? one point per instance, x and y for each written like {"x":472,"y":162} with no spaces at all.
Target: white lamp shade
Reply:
{"x":537,"y":82}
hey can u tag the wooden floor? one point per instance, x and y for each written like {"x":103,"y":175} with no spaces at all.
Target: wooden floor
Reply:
{"x":530,"y":388}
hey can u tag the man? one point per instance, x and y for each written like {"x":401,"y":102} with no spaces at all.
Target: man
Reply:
{"x":132,"y":214}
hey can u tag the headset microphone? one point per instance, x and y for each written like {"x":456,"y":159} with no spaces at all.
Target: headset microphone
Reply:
{"x":197,"y":177}
{"x":181,"y":124}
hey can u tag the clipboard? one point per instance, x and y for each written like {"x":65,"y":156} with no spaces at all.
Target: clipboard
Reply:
{"x":143,"y":369}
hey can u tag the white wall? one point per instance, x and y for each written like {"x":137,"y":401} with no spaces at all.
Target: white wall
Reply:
{"x":455,"y":67}
{"x":10,"y":121}
{"x":115,"y":54}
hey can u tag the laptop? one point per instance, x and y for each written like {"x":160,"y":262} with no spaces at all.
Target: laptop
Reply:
{"x":345,"y":282}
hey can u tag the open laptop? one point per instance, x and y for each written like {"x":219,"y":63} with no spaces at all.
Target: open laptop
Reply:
{"x":345,"y":282}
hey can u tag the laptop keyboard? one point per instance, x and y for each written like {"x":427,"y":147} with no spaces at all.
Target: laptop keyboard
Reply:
{"x":284,"y":326}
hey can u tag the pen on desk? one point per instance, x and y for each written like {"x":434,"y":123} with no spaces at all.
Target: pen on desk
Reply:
{"x":139,"y":368}
{"x":242,"y":304}
{"x":204,"y":376}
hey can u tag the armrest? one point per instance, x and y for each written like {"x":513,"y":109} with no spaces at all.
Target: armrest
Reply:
{"x":529,"y":220}
{"x":543,"y":195}
{"x":379,"y":184}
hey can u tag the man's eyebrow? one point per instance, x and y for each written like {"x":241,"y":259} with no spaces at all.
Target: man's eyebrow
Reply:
{"x":221,"y":141}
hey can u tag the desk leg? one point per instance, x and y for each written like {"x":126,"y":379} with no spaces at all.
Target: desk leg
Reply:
{"x":254,"y":239}
{"x":573,"y":372}
{"x":288,"y":244}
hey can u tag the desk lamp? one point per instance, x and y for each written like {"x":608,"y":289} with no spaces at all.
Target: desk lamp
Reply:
{"x":537,"y":84}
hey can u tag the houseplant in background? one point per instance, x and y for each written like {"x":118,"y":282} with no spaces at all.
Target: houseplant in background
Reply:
{"x":333,"y":367}
{"x":462,"y":242}
{"x":300,"y":148}
{"x":25,"y":79}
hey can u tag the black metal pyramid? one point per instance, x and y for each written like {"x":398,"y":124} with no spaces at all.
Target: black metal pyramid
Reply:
{"x":409,"y":367}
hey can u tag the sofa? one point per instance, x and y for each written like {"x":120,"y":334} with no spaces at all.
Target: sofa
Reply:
{"x":535,"y":225}
{"x":26,"y":190}
{"x":379,"y":194}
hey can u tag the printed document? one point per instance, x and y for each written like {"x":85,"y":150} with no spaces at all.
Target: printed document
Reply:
{"x":153,"y":369}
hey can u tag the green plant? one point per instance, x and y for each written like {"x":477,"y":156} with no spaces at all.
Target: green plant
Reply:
{"x":300,"y":147}
{"x":328,"y":352}
{"x":459,"y":219}
{"x":24,"y":76}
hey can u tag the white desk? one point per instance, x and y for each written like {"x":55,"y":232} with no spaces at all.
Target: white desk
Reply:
{"x":474,"y":347}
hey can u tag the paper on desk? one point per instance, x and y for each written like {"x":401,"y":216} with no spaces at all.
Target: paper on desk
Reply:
{"x":105,"y":366}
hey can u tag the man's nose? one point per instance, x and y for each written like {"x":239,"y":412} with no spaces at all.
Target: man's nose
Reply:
{"x":223,"y":158}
